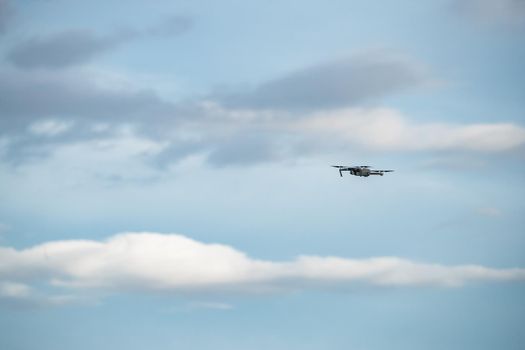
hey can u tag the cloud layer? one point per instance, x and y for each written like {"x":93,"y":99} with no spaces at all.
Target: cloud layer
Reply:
{"x":298,"y":115}
{"x":172,"y":263}
{"x":334,"y":84}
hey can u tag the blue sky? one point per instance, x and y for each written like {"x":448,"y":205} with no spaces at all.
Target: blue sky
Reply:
{"x":165,"y":174}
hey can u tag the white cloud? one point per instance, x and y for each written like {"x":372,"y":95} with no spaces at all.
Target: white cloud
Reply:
{"x":14,"y":290}
{"x":119,"y":156}
{"x":49,"y":127}
{"x":387,"y":129}
{"x":153,"y":262}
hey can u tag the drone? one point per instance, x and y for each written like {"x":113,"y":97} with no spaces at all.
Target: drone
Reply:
{"x":360,"y":170}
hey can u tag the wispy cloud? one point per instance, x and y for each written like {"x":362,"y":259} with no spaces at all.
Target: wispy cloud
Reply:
{"x":14,"y":290}
{"x":62,"y":49}
{"x":171,"y":26}
{"x":387,"y":129}
{"x":336,"y":84}
{"x":4,"y":228}
{"x":508,"y":12}
{"x":5,"y":14}
{"x":172,"y":263}
{"x":29,"y":97}
{"x":20,"y":295}
{"x":49,"y":128}
{"x":79,"y":46}
{"x":210,"y":305}
{"x":491,"y":212}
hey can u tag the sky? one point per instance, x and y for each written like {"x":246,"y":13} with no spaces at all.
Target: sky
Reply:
{"x":165,"y":176}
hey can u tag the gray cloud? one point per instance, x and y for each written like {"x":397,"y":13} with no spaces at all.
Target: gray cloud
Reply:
{"x":27,"y":97}
{"x":333,"y":85}
{"x":508,"y":12}
{"x":62,"y":49}
{"x":42,"y":109}
{"x":5,"y":14}
{"x":75,"y":47}
{"x":171,"y":26}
